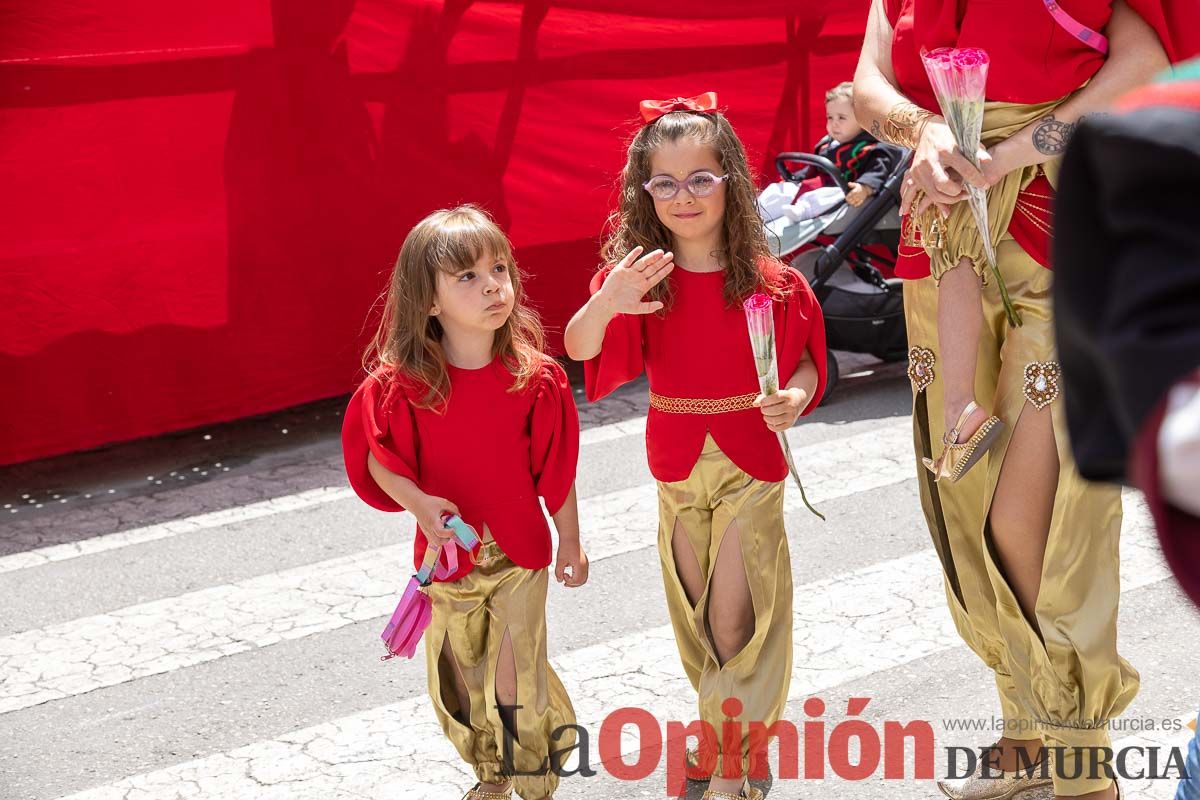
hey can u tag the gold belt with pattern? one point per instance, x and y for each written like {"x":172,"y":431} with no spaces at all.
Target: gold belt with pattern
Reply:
{"x":702,"y":405}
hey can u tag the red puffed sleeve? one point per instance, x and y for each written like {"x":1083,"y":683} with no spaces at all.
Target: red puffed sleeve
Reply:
{"x":891,"y":10}
{"x":800,"y":327}
{"x":620,"y":358}
{"x":379,"y":420}
{"x":554,"y":437}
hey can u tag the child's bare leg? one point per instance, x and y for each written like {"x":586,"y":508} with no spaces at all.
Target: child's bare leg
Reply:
{"x":506,"y":697}
{"x":506,"y":685}
{"x":730,"y":619}
{"x":960,"y":320}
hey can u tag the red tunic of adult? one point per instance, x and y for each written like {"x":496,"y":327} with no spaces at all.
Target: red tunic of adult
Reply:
{"x":491,"y":452}
{"x":1033,"y":60}
{"x":700,"y":349}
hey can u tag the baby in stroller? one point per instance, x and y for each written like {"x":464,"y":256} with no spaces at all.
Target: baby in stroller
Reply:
{"x":843,"y":232}
{"x":865,"y":161}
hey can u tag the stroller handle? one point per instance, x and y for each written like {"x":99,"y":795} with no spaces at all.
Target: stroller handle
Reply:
{"x":888,"y":196}
{"x":812,"y":161}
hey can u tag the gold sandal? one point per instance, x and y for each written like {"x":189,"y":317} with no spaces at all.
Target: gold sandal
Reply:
{"x":958,"y":457}
{"x":692,"y":766}
{"x":475,"y":793}
{"x":748,"y":793}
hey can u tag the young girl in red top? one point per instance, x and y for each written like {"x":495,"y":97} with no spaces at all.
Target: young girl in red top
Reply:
{"x":457,"y":347}
{"x":686,"y":250}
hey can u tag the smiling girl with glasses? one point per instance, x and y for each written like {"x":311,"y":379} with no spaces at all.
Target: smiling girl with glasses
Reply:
{"x":687,"y":248}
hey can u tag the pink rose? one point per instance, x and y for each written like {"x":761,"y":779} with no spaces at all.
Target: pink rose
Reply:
{"x":939,"y":59}
{"x":971,"y":68}
{"x":970,"y":58}
{"x":757,"y":302}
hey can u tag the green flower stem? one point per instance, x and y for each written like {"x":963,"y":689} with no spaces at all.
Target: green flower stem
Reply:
{"x":767,"y":387}
{"x":787,"y":455}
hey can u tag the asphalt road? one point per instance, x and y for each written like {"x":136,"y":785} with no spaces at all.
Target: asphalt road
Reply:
{"x":198,"y":615}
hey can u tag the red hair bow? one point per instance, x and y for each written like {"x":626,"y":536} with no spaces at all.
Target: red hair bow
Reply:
{"x":653,"y":109}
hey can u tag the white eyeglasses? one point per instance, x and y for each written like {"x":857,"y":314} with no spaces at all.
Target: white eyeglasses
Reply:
{"x":701,"y":183}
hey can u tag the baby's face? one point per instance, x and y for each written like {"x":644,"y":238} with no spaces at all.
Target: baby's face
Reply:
{"x":840,"y":121}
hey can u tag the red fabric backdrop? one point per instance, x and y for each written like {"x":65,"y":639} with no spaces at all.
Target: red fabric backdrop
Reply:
{"x":201,"y":204}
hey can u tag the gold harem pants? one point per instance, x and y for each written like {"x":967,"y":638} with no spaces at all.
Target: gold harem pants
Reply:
{"x":472,"y":615}
{"x":1066,"y":684}
{"x":716,"y":494}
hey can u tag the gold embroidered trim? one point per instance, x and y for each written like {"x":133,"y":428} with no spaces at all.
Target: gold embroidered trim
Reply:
{"x":702,"y":405}
{"x":1041,"y":383}
{"x":1040,"y":214}
{"x":920,"y":368}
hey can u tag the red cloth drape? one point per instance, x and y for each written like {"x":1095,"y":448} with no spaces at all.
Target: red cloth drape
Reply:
{"x":201,"y":203}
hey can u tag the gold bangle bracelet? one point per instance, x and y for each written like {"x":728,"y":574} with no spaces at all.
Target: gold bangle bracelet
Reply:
{"x":905,"y":123}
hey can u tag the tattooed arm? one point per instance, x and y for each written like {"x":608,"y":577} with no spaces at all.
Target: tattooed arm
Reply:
{"x":1135,"y":55}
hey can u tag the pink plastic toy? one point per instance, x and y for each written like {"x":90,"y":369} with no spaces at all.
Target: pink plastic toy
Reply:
{"x":414,"y":611}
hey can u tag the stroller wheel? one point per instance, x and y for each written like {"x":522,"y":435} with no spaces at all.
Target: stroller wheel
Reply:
{"x":831,"y":375}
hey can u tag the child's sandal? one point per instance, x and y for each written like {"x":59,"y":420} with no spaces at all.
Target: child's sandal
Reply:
{"x":692,"y":767}
{"x":748,"y":793}
{"x":475,"y":793}
{"x":958,"y":457}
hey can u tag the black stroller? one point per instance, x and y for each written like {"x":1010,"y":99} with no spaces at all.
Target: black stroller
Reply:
{"x":848,"y":256}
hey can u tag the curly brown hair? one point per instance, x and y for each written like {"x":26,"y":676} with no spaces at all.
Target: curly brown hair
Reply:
{"x":743,"y":250}
{"x":408,"y":342}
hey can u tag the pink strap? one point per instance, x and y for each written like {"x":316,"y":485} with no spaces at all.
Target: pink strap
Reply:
{"x":1093,"y":39}
{"x":447,"y":561}
{"x":442,"y":565}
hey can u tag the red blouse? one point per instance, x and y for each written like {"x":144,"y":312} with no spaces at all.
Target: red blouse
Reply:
{"x":491,"y":452}
{"x":700,"y":348}
{"x":1033,"y":60}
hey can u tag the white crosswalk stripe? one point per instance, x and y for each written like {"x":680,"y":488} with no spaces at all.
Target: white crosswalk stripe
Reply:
{"x":289,"y":503}
{"x":853,"y":624}
{"x":229,"y":516}
{"x":165,"y":530}
{"x":245,"y":513}
{"x":151,"y":638}
{"x":847,"y":627}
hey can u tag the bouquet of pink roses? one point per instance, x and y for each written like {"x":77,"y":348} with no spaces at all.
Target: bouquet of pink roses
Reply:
{"x":958,"y":76}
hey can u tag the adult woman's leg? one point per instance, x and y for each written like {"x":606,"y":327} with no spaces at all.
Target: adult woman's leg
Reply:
{"x":954,"y":514}
{"x":1051,"y":546}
